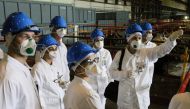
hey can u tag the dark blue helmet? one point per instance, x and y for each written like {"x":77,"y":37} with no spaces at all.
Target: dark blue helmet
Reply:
{"x":58,"y":22}
{"x":18,"y":22}
{"x":96,"y":34}
{"x":79,"y":51}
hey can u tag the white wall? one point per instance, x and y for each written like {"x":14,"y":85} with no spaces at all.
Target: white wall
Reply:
{"x":93,"y":5}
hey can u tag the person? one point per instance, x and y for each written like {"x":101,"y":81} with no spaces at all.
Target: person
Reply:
{"x":146,"y":40}
{"x":80,"y":94}
{"x":100,"y":82}
{"x":46,"y":75}
{"x":181,"y":100}
{"x":58,"y":26}
{"x":17,"y":88}
{"x":147,"y":35}
{"x":134,"y":76}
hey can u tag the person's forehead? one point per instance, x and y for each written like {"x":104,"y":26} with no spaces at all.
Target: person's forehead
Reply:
{"x":99,"y":38}
{"x":149,"y":31}
{"x":136,"y":36}
{"x":27,"y":33}
{"x":92,"y":56}
{"x":52,"y":47}
{"x":60,"y":29}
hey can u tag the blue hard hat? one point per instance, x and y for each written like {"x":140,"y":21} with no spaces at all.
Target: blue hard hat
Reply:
{"x":58,"y":22}
{"x":146,"y":26}
{"x":46,"y":41}
{"x":134,"y":28}
{"x":18,"y":22}
{"x":96,"y":34}
{"x":79,"y":51}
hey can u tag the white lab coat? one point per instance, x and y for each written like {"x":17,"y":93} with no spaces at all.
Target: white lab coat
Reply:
{"x":180,"y":101}
{"x":134,"y":93}
{"x":17,"y":88}
{"x":80,"y":95}
{"x":100,"y":81}
{"x":51,"y":94}
{"x":61,"y":62}
{"x":151,"y":65}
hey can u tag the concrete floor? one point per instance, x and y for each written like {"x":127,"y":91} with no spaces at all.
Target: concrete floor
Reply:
{"x":111,"y":105}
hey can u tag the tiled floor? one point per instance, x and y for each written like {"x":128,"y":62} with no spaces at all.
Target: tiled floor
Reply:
{"x":111,"y":105}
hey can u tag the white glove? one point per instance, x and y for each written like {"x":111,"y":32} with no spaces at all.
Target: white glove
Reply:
{"x":175,"y":35}
{"x":131,"y":74}
{"x":63,"y":84}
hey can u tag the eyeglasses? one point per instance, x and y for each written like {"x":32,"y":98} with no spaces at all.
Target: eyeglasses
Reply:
{"x":95,"y":60}
{"x":101,"y":39}
{"x":148,"y":32}
{"x":52,"y":48}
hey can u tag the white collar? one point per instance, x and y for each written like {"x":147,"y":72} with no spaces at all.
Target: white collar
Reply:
{"x":24,"y":67}
{"x":80,"y":80}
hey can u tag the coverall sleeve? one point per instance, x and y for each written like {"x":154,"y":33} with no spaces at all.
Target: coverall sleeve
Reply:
{"x":115,"y":73}
{"x":66,"y":64}
{"x":8,"y":94}
{"x":108,"y":64}
{"x":159,"y":51}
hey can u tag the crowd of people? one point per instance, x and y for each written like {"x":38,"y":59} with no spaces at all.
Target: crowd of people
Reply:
{"x":47,"y":85}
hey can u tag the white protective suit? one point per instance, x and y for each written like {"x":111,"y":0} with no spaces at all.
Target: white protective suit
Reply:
{"x":151,"y":65}
{"x":51,"y":94}
{"x":80,"y":95}
{"x":100,"y":81}
{"x":180,"y":101}
{"x":17,"y":88}
{"x":134,"y":93}
{"x":61,"y":62}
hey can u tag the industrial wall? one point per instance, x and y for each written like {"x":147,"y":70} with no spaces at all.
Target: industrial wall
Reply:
{"x":42,"y":13}
{"x":75,"y":12}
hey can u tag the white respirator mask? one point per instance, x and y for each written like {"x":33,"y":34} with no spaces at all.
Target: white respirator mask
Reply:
{"x":99,"y":44}
{"x":28,"y":47}
{"x":61,"y":32}
{"x":136,"y":44}
{"x":92,"y":70}
{"x":149,"y":37}
{"x":52,"y":54}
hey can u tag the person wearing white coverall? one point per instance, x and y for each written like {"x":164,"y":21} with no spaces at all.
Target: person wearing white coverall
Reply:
{"x":146,"y":39}
{"x":46,"y":75}
{"x":100,"y":82}
{"x":17,"y":88}
{"x":58,"y":30}
{"x":180,"y":101}
{"x":135,"y":78}
{"x":80,"y":94}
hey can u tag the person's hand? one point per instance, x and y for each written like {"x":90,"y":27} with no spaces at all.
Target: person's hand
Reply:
{"x":176,"y":34}
{"x":131,"y":74}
